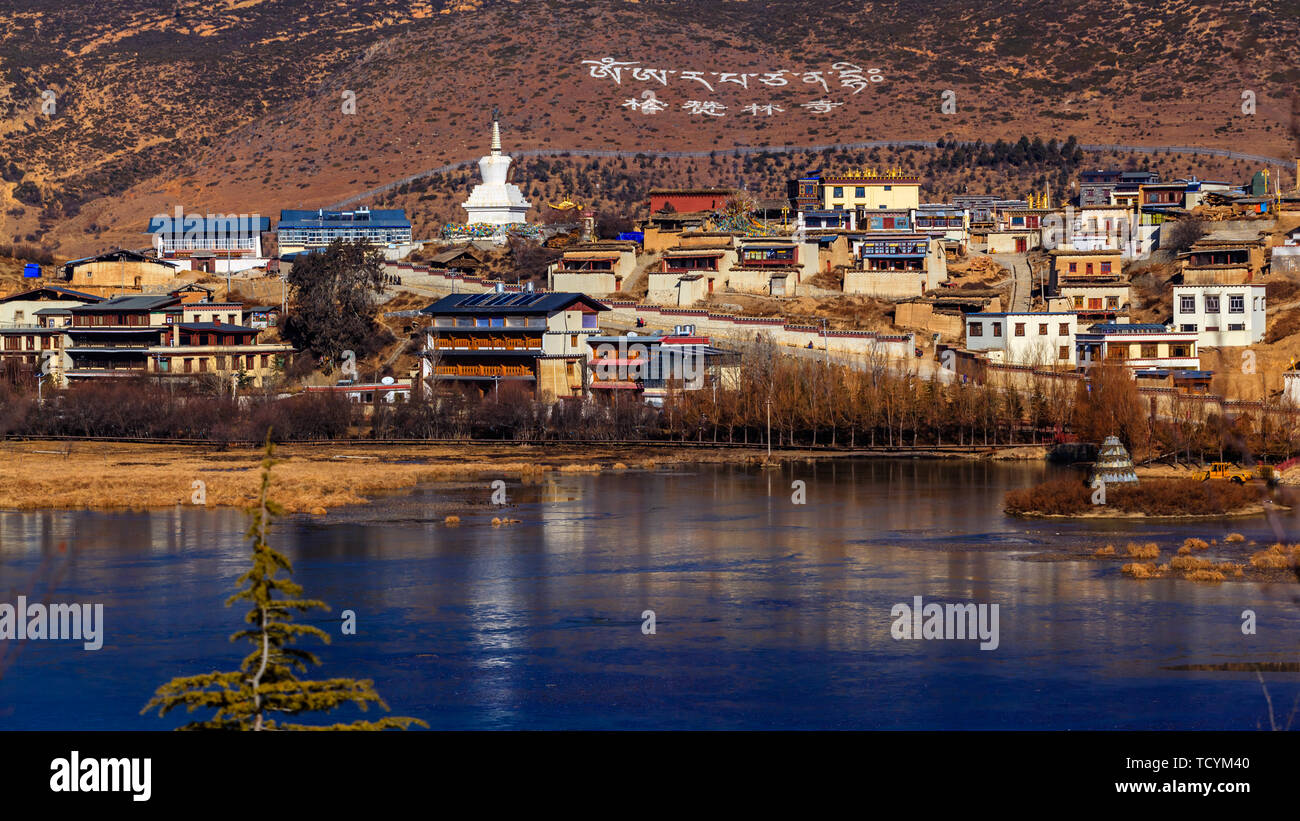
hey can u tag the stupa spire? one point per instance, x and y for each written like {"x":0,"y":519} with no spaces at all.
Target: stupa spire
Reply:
{"x":496,"y":201}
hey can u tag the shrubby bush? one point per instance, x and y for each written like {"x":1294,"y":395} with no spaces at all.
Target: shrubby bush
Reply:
{"x":1154,"y":497}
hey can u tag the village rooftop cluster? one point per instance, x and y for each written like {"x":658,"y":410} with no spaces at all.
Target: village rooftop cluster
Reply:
{"x":627,"y":314}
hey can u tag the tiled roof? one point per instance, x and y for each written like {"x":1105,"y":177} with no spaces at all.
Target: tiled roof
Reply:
{"x":130,"y":303}
{"x":515,"y":302}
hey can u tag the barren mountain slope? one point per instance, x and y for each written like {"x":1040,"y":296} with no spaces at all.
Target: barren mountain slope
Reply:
{"x":243,"y":106}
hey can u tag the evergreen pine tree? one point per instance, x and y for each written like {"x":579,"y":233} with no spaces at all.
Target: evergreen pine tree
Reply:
{"x":266,"y":690}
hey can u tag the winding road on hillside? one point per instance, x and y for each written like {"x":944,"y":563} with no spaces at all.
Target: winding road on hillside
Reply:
{"x":743,"y":150}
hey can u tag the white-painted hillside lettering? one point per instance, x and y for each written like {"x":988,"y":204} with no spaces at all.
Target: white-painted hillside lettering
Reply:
{"x":952,"y":621}
{"x":75,"y":774}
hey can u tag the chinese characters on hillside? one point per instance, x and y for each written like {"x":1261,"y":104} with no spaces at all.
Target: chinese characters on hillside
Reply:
{"x":842,"y":75}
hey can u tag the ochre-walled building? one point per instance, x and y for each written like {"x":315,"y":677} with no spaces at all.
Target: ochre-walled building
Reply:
{"x":871,"y":190}
{"x":118,"y":271}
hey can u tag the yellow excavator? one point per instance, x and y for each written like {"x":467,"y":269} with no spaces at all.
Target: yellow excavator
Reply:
{"x":1224,"y":470}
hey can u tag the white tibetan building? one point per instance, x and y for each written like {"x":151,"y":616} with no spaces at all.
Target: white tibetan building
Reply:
{"x":495,"y":201}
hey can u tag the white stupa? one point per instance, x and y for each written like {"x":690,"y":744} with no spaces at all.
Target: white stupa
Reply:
{"x":495,"y":201}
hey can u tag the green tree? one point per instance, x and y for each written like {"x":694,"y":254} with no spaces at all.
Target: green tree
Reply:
{"x":266,"y":685}
{"x":334,"y":305}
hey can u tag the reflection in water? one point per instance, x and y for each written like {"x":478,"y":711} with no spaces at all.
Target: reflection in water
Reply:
{"x":768,"y":613}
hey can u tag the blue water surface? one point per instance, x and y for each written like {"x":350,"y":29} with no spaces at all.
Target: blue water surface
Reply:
{"x":768,"y":614}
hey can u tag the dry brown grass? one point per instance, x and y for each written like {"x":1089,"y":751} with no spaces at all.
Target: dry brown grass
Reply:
{"x":1152,"y":497}
{"x":1190,"y":563}
{"x":1140,"y":570}
{"x":1276,"y":557}
{"x":1232,"y":569}
{"x":115,"y":476}
{"x":1233,"y":538}
{"x":1195,"y":544}
{"x":1150,"y":550}
{"x":1205,"y":576}
{"x":1184,"y":550}
{"x":1108,"y":550}
{"x":587,"y":468}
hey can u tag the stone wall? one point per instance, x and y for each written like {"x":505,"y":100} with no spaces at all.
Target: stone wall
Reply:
{"x":885,"y":284}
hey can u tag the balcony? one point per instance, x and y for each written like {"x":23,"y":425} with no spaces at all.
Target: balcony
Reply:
{"x":485,"y":371}
{"x":890,"y":266}
{"x":491,"y":343}
{"x":1158,"y":362}
{"x":128,"y":346}
{"x":98,"y":369}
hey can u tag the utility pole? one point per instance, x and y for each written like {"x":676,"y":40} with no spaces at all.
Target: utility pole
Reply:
{"x":826,"y":345}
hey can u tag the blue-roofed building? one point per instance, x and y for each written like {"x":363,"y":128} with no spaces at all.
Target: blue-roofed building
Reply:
{"x":300,"y":231}
{"x":535,"y":340}
{"x":215,"y":243}
{"x":1139,"y":346}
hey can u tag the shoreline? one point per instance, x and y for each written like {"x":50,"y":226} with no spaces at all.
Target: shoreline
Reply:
{"x":1240,"y":513}
{"x":45,"y":475}
{"x":96,"y":474}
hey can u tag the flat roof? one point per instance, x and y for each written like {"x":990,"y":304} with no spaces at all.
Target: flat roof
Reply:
{"x":363,"y":218}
